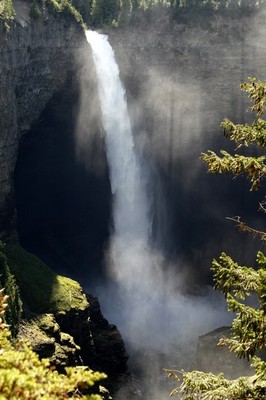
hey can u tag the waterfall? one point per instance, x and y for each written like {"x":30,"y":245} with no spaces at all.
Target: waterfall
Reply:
{"x":131,"y":221}
{"x":130,"y":205}
{"x":147,"y":306}
{"x":130,"y":259}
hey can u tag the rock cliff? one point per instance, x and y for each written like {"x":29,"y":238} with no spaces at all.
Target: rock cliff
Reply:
{"x":37,"y":58}
{"x":78,"y":337}
{"x":42,"y":60}
{"x":182,"y":79}
{"x":213,"y":358}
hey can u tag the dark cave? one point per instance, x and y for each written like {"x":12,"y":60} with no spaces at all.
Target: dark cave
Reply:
{"x":63,"y":210}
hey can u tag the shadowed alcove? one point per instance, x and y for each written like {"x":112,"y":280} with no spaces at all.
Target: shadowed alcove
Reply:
{"x":63,"y":208}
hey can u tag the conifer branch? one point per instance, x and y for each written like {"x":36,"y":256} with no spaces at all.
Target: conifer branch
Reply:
{"x":243,"y":227}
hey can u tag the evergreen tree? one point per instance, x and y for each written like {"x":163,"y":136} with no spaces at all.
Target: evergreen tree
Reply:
{"x":126,"y":8}
{"x":237,"y":283}
{"x":6,"y":13}
{"x":84,"y":7}
{"x":8,"y":282}
{"x":104,"y":12}
{"x":24,"y":376}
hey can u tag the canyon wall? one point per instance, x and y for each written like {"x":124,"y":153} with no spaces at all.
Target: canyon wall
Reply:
{"x":46,"y":71}
{"x":182,"y":79}
{"x":38,"y":57}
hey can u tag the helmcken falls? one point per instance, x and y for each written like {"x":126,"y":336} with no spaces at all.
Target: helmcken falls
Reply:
{"x":143,"y":297}
{"x":129,"y":255}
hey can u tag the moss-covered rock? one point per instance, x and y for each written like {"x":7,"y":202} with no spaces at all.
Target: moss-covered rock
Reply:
{"x":40,"y":342}
{"x":42,"y":290}
{"x":47,"y":340}
{"x":25,"y":376}
{"x":48,"y":324}
{"x":61,"y":322}
{"x":67,"y":352}
{"x":51,"y":304}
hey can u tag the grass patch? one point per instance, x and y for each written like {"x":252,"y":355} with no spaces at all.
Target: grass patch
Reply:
{"x":42,"y":290}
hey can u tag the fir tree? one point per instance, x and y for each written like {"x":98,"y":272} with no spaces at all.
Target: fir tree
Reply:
{"x":8,"y":282}
{"x":237,"y":283}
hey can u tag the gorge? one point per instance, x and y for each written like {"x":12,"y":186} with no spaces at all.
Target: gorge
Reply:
{"x":181,"y":80}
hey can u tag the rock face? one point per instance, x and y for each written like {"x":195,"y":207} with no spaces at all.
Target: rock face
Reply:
{"x":48,"y":341}
{"x":102,"y":347}
{"x":182,"y":79}
{"x":78,"y":337}
{"x":213,"y":358}
{"x":41,"y":60}
{"x":108,"y":344}
{"x":37,"y":58}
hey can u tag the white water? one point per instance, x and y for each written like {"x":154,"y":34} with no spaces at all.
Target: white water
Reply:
{"x":130,"y":206}
{"x":129,"y":253}
{"x":145,"y":304}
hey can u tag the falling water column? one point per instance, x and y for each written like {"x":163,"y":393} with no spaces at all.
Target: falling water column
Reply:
{"x":130,"y":258}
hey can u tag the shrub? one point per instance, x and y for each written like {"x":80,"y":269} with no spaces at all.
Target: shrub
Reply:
{"x":24,"y":376}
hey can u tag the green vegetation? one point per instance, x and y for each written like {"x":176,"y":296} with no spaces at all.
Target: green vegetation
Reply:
{"x":7,"y":281}
{"x":238,"y":283}
{"x":48,"y":341}
{"x":6,"y":10}
{"x":106,"y":12}
{"x":67,"y":7}
{"x":34,"y":12}
{"x":63,"y":6}
{"x":99,"y":13}
{"x":217,"y":4}
{"x":6,"y":13}
{"x":24,"y":376}
{"x":243,"y":135}
{"x":41,"y":289}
